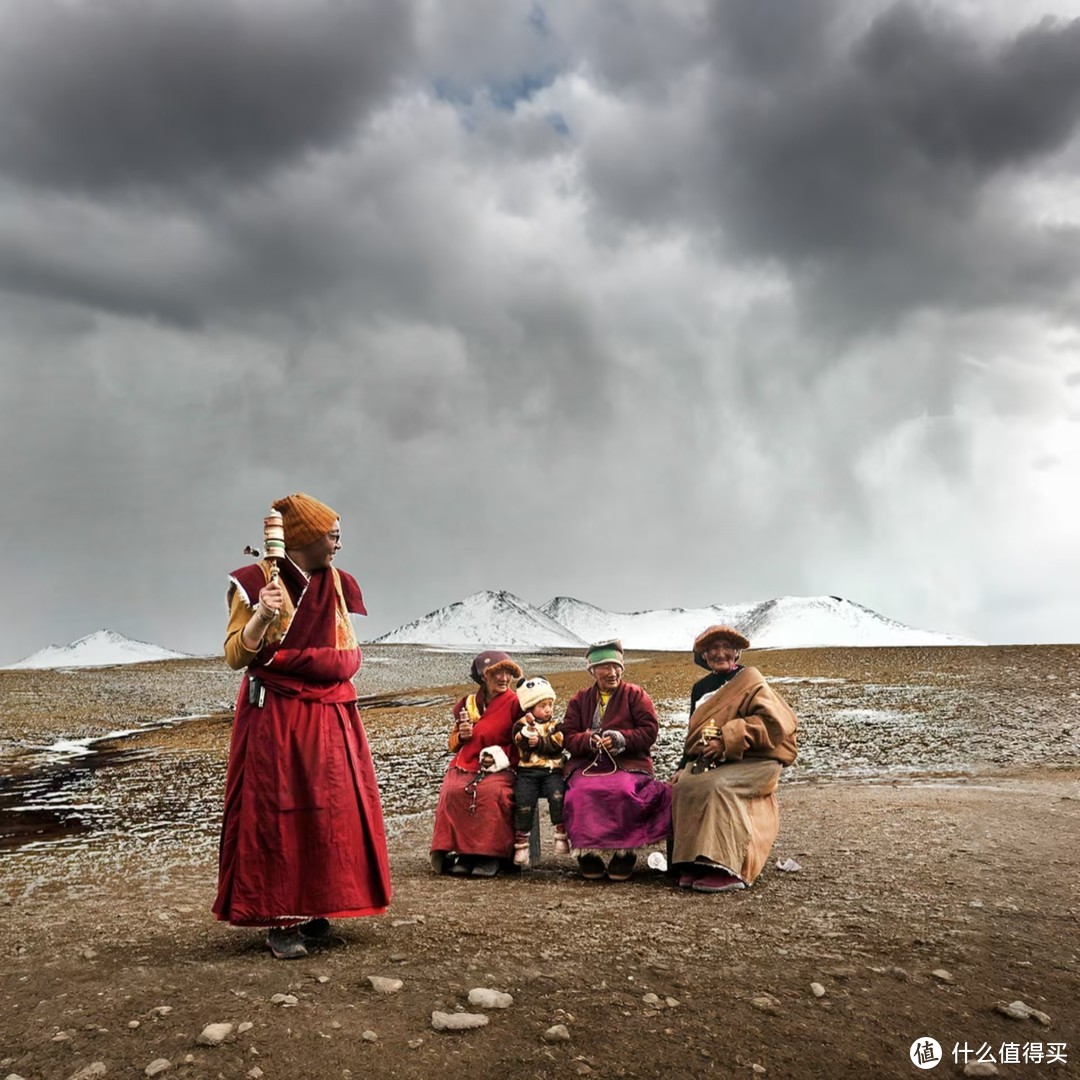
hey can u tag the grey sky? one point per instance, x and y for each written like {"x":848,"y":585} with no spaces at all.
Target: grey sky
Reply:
{"x":652,"y":305}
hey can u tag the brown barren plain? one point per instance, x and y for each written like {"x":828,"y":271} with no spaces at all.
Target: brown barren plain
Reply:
{"x":935,"y":814}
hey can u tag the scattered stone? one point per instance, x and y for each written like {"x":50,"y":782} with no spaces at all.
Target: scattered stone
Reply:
{"x":158,"y":1066}
{"x":789,"y":866}
{"x":161,"y":1010}
{"x":286,"y":1001}
{"x":759,"y":1070}
{"x":415,"y":1044}
{"x":255,"y":1072}
{"x":335,"y":1024}
{"x":651,"y":999}
{"x":462,"y":1021}
{"x":14,"y":1076}
{"x":369,"y":1036}
{"x":980,"y":1068}
{"x":766,"y":1003}
{"x":489,"y":999}
{"x":383,"y":985}
{"x":61,"y":1036}
{"x":672,"y":1003}
{"x":817,"y":989}
{"x":189,"y":1059}
{"x":88,"y":954}
{"x":975,"y":904}
{"x":95,"y":1068}
{"x":398,"y":957}
{"x":942,"y":975}
{"x":556,"y":1033}
{"x":247,"y":1025}
{"x":1019,"y":1010}
{"x":323,"y":979}
{"x":133,"y":1024}
{"x":214,"y":1034}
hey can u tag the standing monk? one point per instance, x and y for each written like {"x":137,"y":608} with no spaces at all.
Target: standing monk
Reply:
{"x":302,"y":839}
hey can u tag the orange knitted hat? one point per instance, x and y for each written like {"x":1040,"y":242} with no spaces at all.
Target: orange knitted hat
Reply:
{"x":305,"y":519}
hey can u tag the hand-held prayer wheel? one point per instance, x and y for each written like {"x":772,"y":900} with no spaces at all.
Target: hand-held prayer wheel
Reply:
{"x":709,"y":731}
{"x":273,"y":540}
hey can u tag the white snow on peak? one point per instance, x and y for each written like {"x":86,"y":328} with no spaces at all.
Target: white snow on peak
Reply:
{"x":501,"y":620}
{"x":103,"y":648}
{"x":787,"y":622}
{"x":488,"y":620}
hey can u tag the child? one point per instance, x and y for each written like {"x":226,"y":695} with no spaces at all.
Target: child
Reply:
{"x":539,"y":741}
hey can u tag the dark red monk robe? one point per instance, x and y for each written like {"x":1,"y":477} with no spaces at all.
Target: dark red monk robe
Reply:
{"x":302,"y":834}
{"x":477,"y":817}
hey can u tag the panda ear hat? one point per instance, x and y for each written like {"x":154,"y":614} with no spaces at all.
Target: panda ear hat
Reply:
{"x":533,"y":690}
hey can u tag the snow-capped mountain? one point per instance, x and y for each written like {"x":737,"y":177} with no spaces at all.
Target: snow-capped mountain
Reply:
{"x":486,"y":619}
{"x":502,"y":620}
{"x":787,"y":622}
{"x":102,"y":648}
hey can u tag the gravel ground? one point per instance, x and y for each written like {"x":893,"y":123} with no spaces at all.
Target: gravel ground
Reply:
{"x":934,"y":812}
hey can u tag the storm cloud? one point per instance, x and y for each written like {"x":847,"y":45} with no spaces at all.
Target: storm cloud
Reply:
{"x":653,"y":306}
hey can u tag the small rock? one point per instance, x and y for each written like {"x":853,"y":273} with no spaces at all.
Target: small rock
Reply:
{"x":161,"y":1010}
{"x":759,"y":1070}
{"x":766,"y":1003}
{"x":651,"y":999}
{"x":158,"y":1066}
{"x":672,"y":1003}
{"x":255,"y":1072}
{"x":975,"y":904}
{"x":556,"y":1033}
{"x":369,"y":1036}
{"x":489,"y":999}
{"x":980,"y":1068}
{"x":286,"y":1001}
{"x":189,"y":1059}
{"x":95,"y":1068}
{"x":383,"y":985}
{"x":1019,"y":1010}
{"x":463,"y":1021}
{"x":335,"y":1024}
{"x":415,"y":1044}
{"x":942,"y":975}
{"x":214,"y":1034}
{"x":247,"y":1025}
{"x":61,"y":1036}
{"x":88,"y":954}
{"x":133,"y":1024}
{"x":322,"y":979}
{"x":817,"y":989}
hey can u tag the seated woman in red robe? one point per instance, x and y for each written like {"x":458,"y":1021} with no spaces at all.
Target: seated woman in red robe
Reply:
{"x":474,"y":821}
{"x":302,"y":839}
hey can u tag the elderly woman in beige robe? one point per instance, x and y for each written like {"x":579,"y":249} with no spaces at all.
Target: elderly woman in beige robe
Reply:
{"x":725,"y":814}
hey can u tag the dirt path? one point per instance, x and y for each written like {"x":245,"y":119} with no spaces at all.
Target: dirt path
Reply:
{"x":978,"y":879}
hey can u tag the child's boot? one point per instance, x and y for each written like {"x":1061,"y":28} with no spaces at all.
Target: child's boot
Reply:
{"x":562,"y":841}
{"x":521,"y":849}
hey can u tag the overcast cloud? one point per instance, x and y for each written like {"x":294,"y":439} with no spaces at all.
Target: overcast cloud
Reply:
{"x":651,"y":305}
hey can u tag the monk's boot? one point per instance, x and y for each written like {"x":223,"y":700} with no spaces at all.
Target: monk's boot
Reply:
{"x":286,"y":944}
